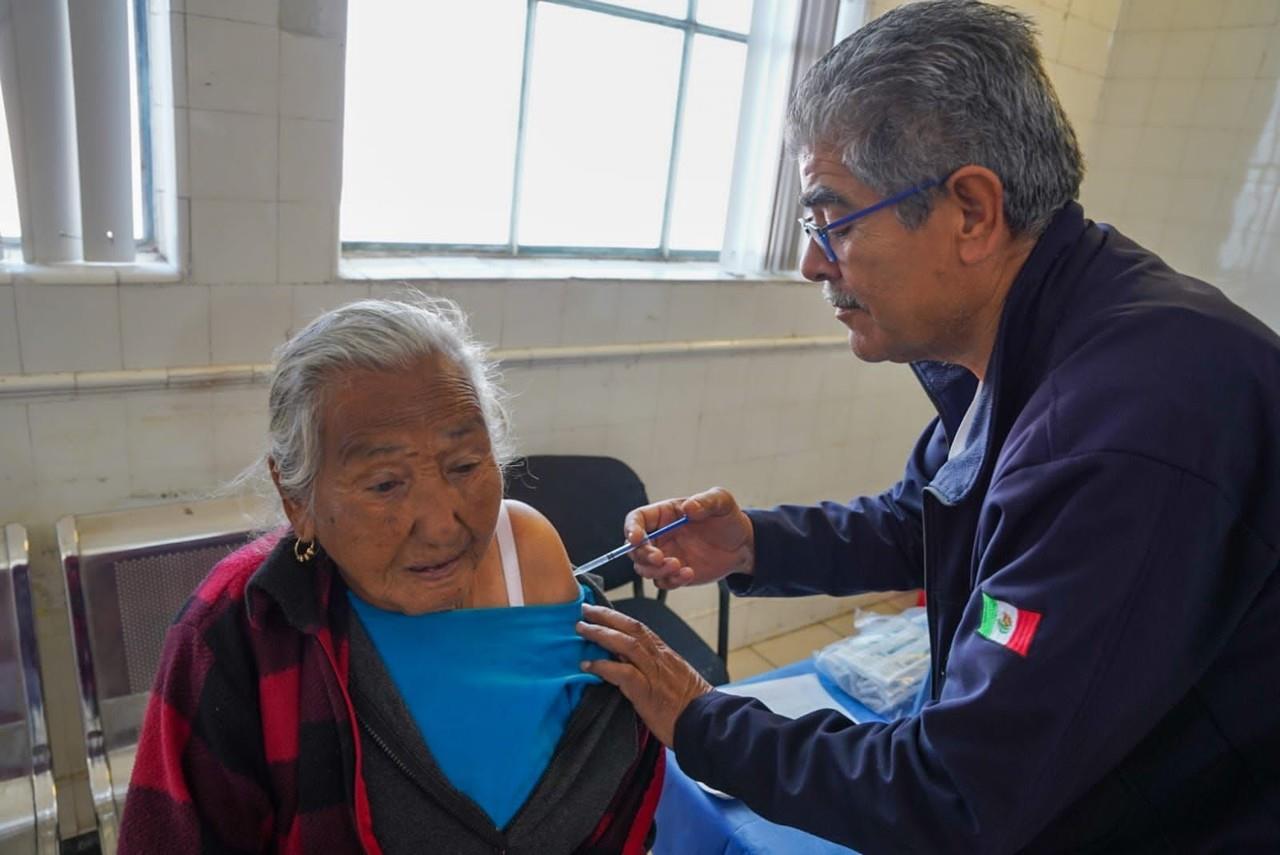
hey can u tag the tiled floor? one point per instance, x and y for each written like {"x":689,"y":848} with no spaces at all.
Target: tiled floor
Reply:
{"x":801,"y":643}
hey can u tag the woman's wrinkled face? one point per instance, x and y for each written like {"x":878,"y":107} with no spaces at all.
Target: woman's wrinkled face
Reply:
{"x":407,"y":496}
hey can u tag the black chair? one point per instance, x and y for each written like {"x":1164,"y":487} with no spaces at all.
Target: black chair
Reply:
{"x":587,"y":499}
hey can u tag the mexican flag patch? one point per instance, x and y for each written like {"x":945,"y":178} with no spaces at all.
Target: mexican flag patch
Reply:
{"x":1006,"y":625}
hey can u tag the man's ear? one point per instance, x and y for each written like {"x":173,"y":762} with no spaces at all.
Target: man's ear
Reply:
{"x":979,"y":194}
{"x":299,"y":516}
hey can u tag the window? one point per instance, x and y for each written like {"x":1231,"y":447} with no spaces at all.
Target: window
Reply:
{"x":543,"y":127}
{"x":75,"y":163}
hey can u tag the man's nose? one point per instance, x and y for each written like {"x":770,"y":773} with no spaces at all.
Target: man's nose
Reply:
{"x":815,"y":266}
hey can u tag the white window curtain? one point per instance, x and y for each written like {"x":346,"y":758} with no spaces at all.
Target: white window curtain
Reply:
{"x":64,"y":70}
{"x":755,"y":164}
{"x":787,"y":36}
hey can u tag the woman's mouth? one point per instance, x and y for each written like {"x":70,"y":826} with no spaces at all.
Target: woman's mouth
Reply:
{"x":444,"y":568}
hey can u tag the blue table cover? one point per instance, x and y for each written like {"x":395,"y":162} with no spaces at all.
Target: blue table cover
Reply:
{"x":693,"y":822}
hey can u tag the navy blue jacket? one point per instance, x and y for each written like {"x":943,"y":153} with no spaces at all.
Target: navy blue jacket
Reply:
{"x":1123,"y":480}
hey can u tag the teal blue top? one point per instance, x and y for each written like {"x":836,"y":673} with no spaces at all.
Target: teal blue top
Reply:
{"x":490,"y":689}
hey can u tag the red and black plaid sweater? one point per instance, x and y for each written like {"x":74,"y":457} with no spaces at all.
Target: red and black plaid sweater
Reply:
{"x":250,"y":743}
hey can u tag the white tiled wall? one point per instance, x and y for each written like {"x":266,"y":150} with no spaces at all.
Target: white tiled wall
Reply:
{"x":1075,"y":38}
{"x":10,"y":356}
{"x":165,"y":325}
{"x":1187,"y":160}
{"x":257,"y":87}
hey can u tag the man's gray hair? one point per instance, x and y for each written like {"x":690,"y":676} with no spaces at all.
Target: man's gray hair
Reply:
{"x":935,"y":85}
{"x":372,"y":335}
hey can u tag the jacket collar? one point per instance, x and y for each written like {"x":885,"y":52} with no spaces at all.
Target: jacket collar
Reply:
{"x":1030,"y":310}
{"x":302,"y":592}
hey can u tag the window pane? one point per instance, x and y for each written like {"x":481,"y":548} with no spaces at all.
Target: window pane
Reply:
{"x":707,"y":142}
{"x":10,"y":230}
{"x":732,"y":15}
{"x":429,"y":133}
{"x":598,"y":138}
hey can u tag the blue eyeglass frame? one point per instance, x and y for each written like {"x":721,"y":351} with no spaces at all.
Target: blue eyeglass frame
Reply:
{"x":819,"y":235}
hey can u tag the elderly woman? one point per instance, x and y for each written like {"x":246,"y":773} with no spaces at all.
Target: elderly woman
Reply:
{"x":397,"y":671}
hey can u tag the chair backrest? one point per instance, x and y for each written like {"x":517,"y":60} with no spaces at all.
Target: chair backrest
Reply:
{"x":128,"y":574}
{"x":587,"y":499}
{"x":28,"y":802}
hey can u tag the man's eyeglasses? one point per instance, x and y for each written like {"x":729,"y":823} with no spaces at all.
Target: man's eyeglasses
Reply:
{"x":819,"y":234}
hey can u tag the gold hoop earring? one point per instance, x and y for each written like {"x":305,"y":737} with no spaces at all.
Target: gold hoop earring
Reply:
{"x":305,"y":555}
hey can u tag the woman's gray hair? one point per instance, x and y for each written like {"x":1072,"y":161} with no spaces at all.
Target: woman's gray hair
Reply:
{"x":932,"y":86}
{"x":373,"y":335}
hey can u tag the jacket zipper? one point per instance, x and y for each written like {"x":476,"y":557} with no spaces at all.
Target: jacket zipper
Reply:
{"x":935,"y":689}
{"x":401,"y":765}
{"x":386,"y":749}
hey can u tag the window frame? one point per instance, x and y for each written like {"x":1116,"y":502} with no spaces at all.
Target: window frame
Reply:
{"x":512,"y":249}
{"x":142,"y":63}
{"x":12,"y":253}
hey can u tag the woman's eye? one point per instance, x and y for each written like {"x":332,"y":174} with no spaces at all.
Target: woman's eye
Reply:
{"x":384,"y":486}
{"x":465,"y":468}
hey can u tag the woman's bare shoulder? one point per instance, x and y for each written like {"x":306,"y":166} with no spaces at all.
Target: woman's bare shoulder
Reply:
{"x":544,"y":564}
